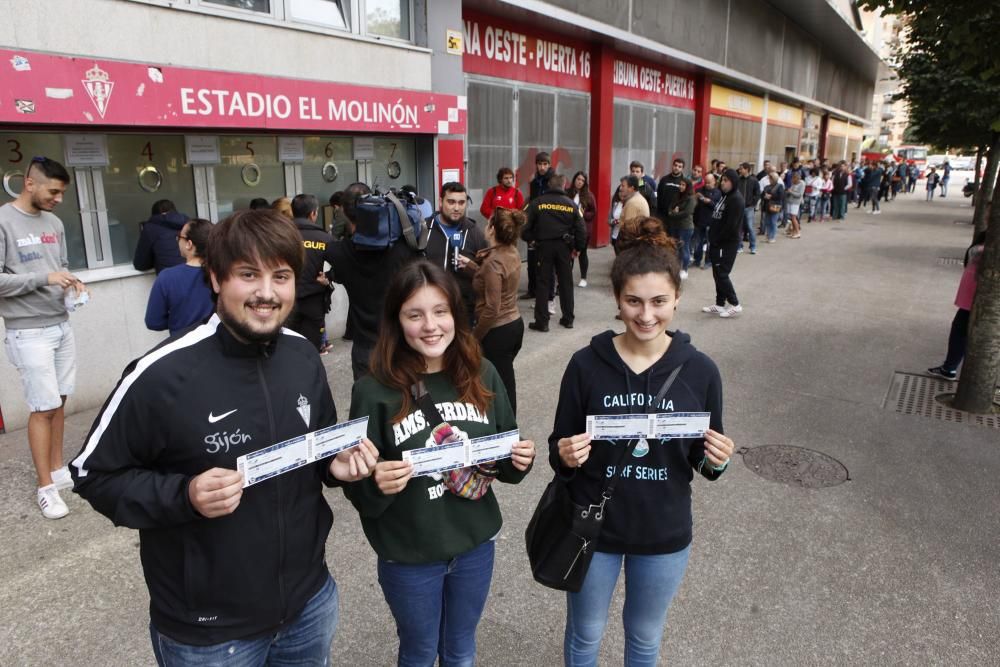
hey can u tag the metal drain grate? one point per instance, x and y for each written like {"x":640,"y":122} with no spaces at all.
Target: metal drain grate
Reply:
{"x":913,"y":394}
{"x":797,"y":466}
{"x":950,"y":261}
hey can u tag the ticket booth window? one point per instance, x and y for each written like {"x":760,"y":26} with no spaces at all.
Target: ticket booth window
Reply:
{"x":249,"y":169}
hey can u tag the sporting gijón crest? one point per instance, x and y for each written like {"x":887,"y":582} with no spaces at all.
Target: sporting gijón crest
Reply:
{"x":99,"y":86}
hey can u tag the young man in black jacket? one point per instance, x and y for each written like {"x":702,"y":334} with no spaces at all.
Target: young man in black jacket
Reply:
{"x":668,"y":189}
{"x":749,"y":188}
{"x":234,"y":574}
{"x":157,"y":245}
{"x":723,"y":242}
{"x":555,"y":226}
{"x":312,"y":289}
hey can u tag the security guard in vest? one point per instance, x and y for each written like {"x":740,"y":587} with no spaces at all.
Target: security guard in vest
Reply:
{"x":313,"y":291}
{"x":555,"y":224}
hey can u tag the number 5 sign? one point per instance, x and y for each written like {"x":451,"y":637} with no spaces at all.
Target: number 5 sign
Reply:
{"x":455,"y":42}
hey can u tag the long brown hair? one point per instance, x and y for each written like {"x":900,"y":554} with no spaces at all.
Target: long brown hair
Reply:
{"x":398,"y":366}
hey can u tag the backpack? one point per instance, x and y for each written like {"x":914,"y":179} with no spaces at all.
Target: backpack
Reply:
{"x":381,"y":220}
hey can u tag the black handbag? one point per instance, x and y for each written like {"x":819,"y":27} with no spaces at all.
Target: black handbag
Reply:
{"x":561,"y":535}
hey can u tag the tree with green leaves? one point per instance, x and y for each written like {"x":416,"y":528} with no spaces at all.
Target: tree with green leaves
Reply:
{"x":950,"y":74}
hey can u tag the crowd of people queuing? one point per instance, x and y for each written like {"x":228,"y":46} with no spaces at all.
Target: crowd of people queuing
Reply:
{"x":434,"y":331}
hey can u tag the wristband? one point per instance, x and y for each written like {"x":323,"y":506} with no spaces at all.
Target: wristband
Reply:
{"x":719,"y":468}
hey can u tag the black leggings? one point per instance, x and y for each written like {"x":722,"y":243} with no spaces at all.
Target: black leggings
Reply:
{"x":500,"y":345}
{"x":723,"y":259}
{"x":957,"y":340}
{"x":584,"y":264}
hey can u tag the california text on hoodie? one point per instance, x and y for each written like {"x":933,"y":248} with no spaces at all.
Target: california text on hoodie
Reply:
{"x":650,"y":512}
{"x":157,"y":245}
{"x":194,"y":403}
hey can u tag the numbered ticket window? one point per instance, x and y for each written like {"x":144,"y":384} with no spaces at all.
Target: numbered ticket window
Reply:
{"x":17,"y":151}
{"x":328,"y":167}
{"x":142,"y":170}
{"x":395,"y":164}
{"x":249,"y":169}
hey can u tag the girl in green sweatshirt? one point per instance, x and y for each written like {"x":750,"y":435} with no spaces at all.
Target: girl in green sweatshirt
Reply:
{"x":435,"y":548}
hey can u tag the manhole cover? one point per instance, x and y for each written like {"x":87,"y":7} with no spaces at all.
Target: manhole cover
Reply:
{"x":797,"y":466}
{"x":913,"y":394}
{"x":950,"y":261}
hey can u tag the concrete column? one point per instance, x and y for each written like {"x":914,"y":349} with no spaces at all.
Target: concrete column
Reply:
{"x":602,"y":125}
{"x":824,"y":127}
{"x":763,"y":134}
{"x":702,"y":118}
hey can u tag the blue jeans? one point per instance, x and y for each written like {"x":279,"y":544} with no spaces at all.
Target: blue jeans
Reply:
{"x":305,"y":641}
{"x":748,"y":213}
{"x":771,"y":222}
{"x":650,"y":585}
{"x":683,"y":238}
{"x":437,"y":606}
{"x":873,"y":197}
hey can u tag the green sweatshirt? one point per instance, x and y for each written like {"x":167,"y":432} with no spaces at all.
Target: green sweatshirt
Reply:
{"x":425,"y":522}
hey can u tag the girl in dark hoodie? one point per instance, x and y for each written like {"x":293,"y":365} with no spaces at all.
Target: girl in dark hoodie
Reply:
{"x":648,"y":521}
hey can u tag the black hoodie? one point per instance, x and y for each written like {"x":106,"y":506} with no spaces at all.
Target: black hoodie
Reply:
{"x":157,"y":245}
{"x":651,"y":509}
{"x":727,"y":218}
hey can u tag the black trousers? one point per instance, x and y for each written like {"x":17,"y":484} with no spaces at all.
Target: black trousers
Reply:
{"x":501,"y":345}
{"x":360,"y":360}
{"x":532,"y":258}
{"x":723,"y":258}
{"x":958,"y":339}
{"x":309,"y":318}
{"x":553,"y":255}
{"x":584,"y":264}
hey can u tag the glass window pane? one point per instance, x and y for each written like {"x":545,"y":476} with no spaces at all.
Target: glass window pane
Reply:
{"x":16,"y":151}
{"x":137,"y":162}
{"x":573,"y":134}
{"x":324,"y":12}
{"x":491,"y":135}
{"x":339,"y":152}
{"x":664,"y":145}
{"x":641,"y":148}
{"x":536,"y":117}
{"x":249,"y":169}
{"x":392,"y":154}
{"x":388,"y":18}
{"x":619,"y":154}
{"x":684,"y":147}
{"x":251,"y":5}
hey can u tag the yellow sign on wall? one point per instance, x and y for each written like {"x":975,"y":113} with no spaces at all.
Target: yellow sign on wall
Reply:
{"x":727,"y":100}
{"x":838,"y":128}
{"x":785,"y":114}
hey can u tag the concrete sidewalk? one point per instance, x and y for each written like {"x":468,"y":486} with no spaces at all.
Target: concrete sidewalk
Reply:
{"x":896,"y":566}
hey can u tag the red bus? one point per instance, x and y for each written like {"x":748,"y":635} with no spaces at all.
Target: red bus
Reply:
{"x":912,"y":155}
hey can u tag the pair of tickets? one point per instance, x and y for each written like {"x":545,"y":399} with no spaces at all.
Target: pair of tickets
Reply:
{"x":302,"y":450}
{"x":461,"y":453}
{"x":650,"y":426}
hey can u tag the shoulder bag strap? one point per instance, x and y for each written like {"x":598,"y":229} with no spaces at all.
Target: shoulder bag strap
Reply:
{"x":426,"y":403}
{"x":407,"y":225}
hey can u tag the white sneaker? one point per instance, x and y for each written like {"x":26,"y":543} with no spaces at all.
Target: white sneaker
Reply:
{"x":552,"y":307}
{"x":62,"y":479}
{"x":582,"y":283}
{"x":731,"y":311}
{"x":877,"y":212}
{"x":684,"y":275}
{"x":715,"y":310}
{"x":50,"y":503}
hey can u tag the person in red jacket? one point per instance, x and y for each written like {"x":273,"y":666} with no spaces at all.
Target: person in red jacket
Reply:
{"x":504,"y":194}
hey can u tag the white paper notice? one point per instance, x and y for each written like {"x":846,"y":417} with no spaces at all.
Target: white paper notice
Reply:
{"x":682,"y":424}
{"x":653,"y":426}
{"x":202,"y":149}
{"x":299,"y":451}
{"x":86,"y":150}
{"x":461,"y":454}
{"x":291,"y":149}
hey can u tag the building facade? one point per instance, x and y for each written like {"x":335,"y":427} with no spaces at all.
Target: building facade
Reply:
{"x":211,"y":103}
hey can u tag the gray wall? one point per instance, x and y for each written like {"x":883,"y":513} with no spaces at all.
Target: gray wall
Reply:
{"x":749,"y":36}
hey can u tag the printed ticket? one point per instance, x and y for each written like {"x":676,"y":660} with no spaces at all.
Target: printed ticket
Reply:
{"x":461,"y":453}
{"x":439,"y":458}
{"x":301,"y":450}
{"x":682,"y":424}
{"x":620,"y":427}
{"x":492,"y":447}
{"x":662,"y":426}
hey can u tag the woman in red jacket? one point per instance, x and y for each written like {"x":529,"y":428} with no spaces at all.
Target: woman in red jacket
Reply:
{"x":579,"y":192}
